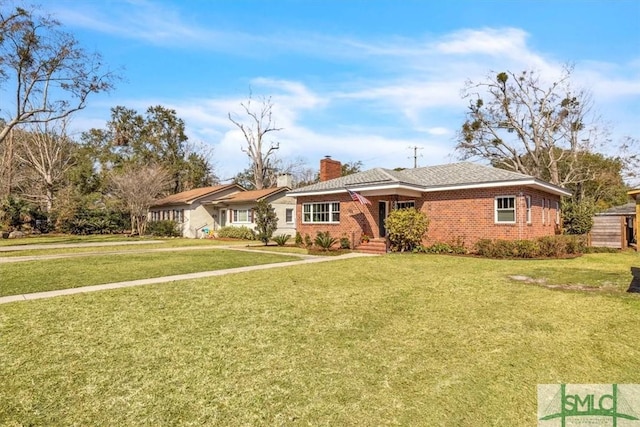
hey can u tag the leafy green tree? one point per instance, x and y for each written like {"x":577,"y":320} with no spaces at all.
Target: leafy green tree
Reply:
{"x":266,"y":221}
{"x":158,"y":137}
{"x":350,"y":168}
{"x":578,"y":215}
{"x":406,"y":228}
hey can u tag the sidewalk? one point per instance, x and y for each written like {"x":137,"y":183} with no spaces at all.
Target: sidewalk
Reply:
{"x":166,"y":279}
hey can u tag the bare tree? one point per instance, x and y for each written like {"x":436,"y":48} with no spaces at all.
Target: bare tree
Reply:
{"x":137,"y":187}
{"x":518,"y":123}
{"x":47,"y":151}
{"x":52,"y":74}
{"x":259,"y":122}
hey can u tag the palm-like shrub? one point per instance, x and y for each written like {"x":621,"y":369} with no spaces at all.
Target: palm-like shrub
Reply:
{"x":324,"y":240}
{"x":281,"y":239}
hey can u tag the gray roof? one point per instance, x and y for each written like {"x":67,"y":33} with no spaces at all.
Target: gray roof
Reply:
{"x":624,"y":210}
{"x":453,"y":174}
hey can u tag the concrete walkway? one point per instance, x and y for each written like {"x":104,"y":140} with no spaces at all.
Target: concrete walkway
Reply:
{"x":189,"y":276}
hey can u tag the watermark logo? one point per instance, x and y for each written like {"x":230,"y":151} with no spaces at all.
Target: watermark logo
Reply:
{"x":603,"y":405}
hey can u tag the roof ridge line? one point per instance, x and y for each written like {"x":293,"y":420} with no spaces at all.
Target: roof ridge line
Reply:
{"x":384,"y":171}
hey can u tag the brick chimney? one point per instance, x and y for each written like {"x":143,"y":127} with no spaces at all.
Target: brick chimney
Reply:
{"x":330,"y":169}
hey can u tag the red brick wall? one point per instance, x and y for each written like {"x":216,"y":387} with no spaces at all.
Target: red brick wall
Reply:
{"x":466,"y":215}
{"x":330,"y":169}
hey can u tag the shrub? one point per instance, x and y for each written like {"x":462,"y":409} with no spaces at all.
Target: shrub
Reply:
{"x":543,"y":247}
{"x":345,"y":243}
{"x":406,"y":228}
{"x":230,"y":232}
{"x":281,"y":239}
{"x":324,"y":240}
{"x":436,"y":248}
{"x":483,"y":247}
{"x":94,"y":221}
{"x":577,"y":216}
{"x":298,"y":239}
{"x":526,"y":249}
{"x":552,"y":247}
{"x":307,"y":241}
{"x":266,"y":221}
{"x":164,"y":228}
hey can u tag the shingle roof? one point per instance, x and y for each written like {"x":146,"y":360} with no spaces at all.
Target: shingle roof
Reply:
{"x":252,"y":195}
{"x":628,"y":209}
{"x":187,"y":197}
{"x":454,"y":174}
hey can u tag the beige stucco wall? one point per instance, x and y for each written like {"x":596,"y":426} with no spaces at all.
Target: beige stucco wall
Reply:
{"x":280,"y":204}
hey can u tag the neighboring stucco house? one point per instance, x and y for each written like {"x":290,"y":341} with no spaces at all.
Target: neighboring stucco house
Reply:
{"x":205,"y":210}
{"x":239,"y":208}
{"x":192,"y":209}
{"x":464,"y":202}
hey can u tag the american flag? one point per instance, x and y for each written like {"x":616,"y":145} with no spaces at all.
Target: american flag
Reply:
{"x":358,"y":198}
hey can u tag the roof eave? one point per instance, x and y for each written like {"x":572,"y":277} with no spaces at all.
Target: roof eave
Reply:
{"x":549,"y":188}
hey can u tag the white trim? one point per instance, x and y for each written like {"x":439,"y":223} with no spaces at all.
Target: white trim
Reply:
{"x":330,"y":213}
{"x":549,"y":188}
{"x":528,"y":209}
{"x":495,"y":209}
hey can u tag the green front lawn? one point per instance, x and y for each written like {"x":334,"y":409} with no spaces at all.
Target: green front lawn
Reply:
{"x":46,"y":275}
{"x":393,"y":340}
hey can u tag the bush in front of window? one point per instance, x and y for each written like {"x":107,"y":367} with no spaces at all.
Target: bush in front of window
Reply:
{"x":164,"y":228}
{"x":298,"y":239}
{"x":324,"y":240}
{"x":405,"y":229}
{"x":243,"y":233}
{"x":542,"y":247}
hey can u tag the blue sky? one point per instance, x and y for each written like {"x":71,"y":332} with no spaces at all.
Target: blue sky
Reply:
{"x":357,"y":80}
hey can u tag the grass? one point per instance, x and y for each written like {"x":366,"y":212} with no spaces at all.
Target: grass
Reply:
{"x":47,"y":275}
{"x":395,"y":340}
{"x":160,"y":243}
{"x":63,"y":238}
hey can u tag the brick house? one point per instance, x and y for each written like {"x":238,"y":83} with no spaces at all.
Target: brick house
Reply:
{"x":464,"y":202}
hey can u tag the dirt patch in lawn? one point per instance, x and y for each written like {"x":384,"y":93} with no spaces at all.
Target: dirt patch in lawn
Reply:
{"x":608,"y":287}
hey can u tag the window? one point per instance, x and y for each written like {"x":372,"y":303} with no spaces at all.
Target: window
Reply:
{"x":505,"y":209}
{"x":527,"y":200}
{"x":288,"y":214}
{"x":321,"y":212}
{"x":178,"y":215}
{"x":547,"y":215}
{"x":242,"y":215}
{"x":405,"y":205}
{"x":557,"y":213}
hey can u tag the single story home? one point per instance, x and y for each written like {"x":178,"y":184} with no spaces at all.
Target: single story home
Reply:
{"x":465,"y":202}
{"x":614,"y":228}
{"x":203,"y":211}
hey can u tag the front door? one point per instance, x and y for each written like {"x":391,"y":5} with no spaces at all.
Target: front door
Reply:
{"x":382,"y":215}
{"x":223,"y":217}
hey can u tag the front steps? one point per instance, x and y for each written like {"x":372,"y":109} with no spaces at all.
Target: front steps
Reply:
{"x":373,"y":246}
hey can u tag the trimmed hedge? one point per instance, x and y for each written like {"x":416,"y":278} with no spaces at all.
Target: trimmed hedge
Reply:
{"x":543,"y":247}
{"x":243,"y":233}
{"x":163,"y":228}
